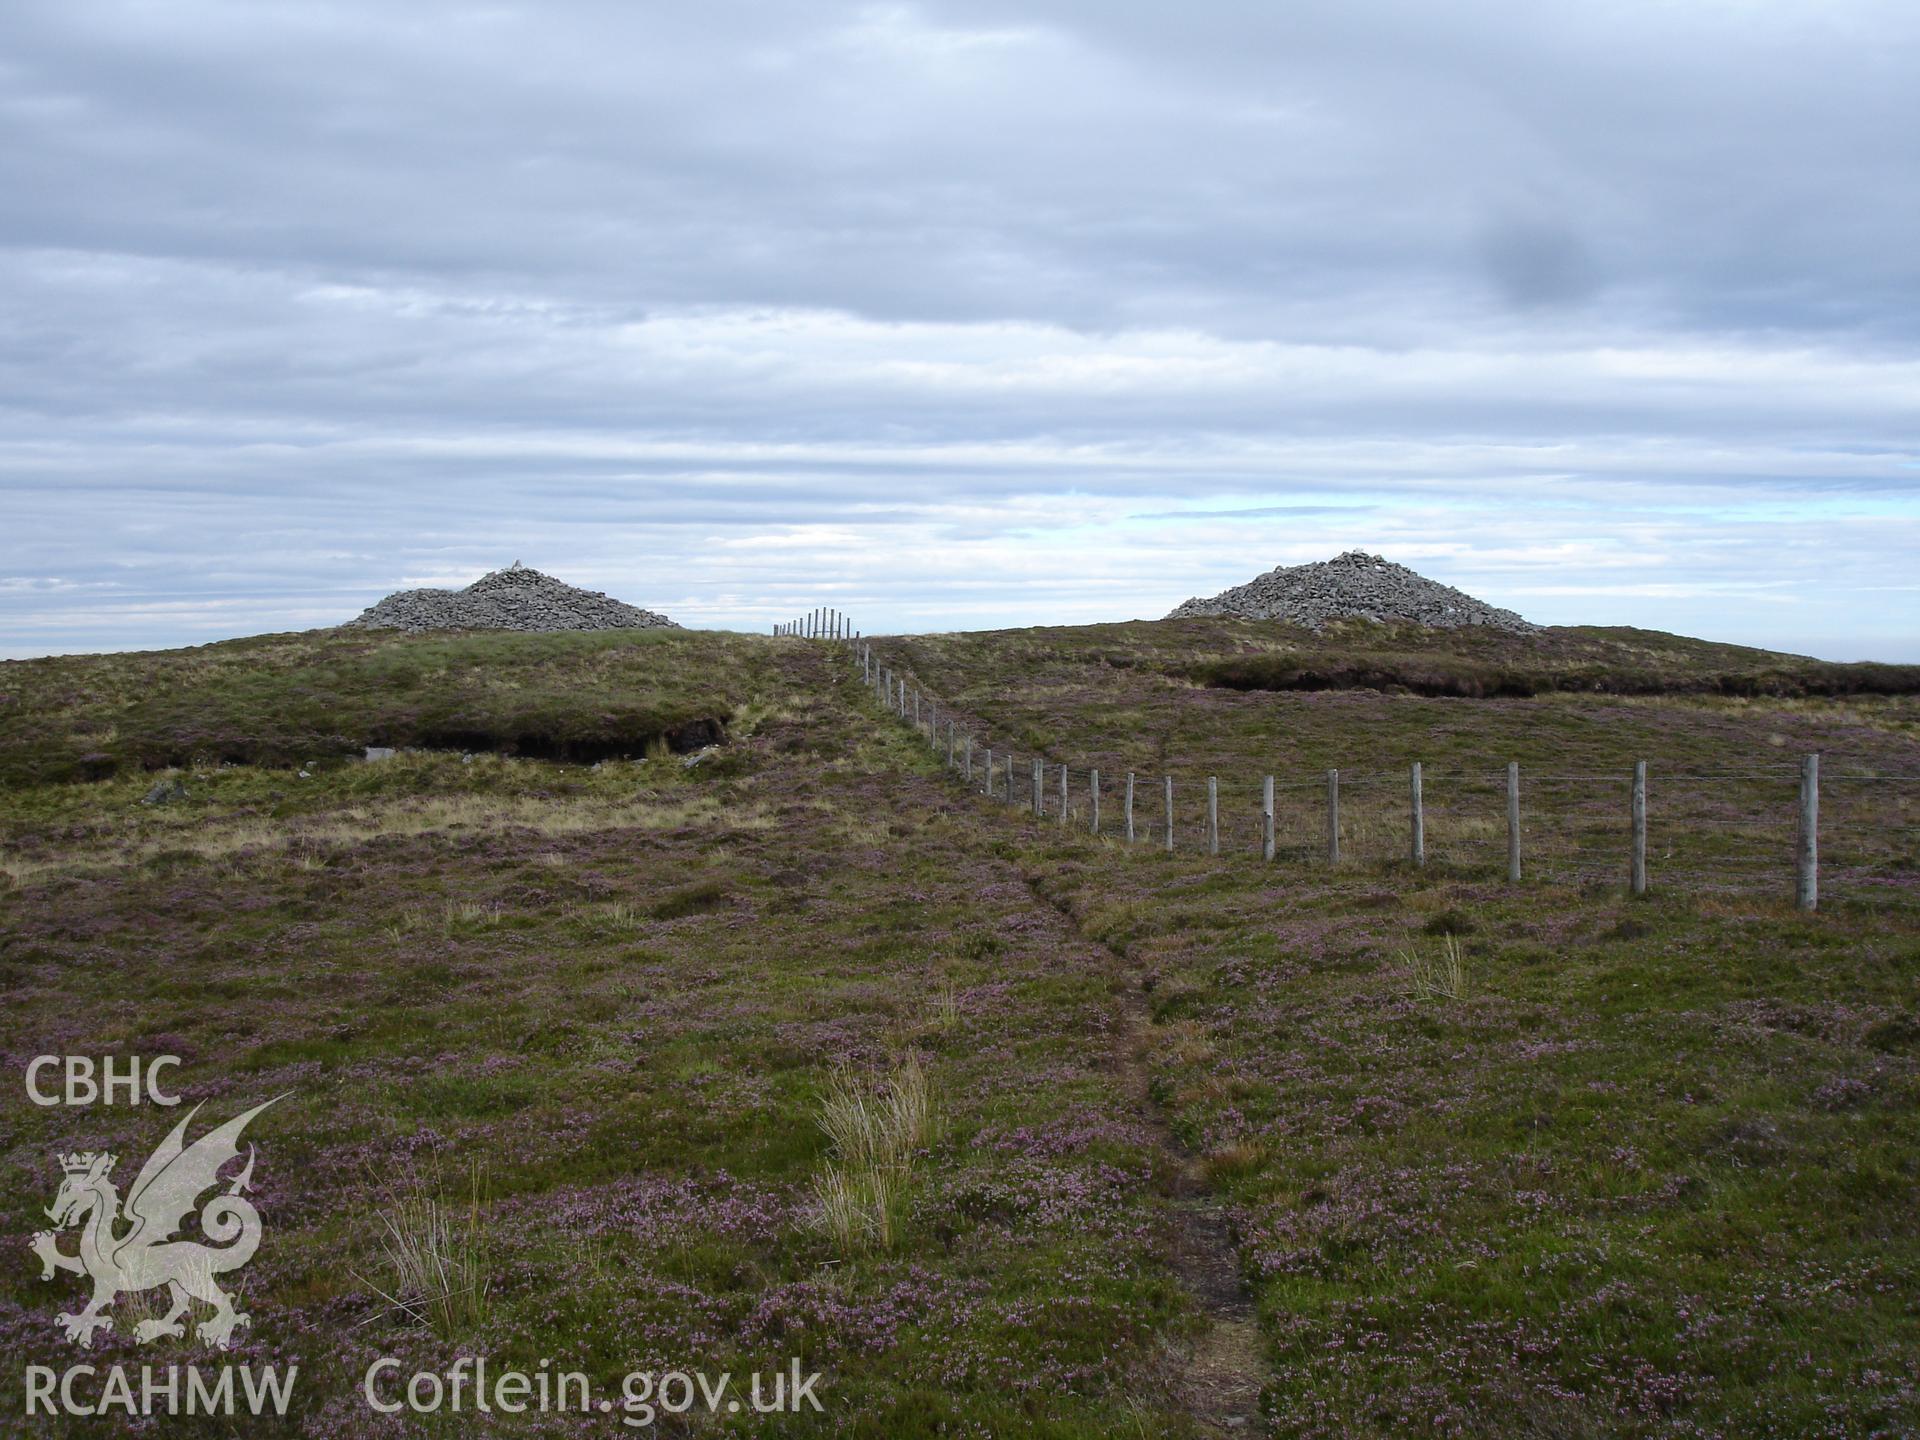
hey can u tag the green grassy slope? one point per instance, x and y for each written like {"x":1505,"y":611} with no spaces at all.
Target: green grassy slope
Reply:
{"x":282,"y":699}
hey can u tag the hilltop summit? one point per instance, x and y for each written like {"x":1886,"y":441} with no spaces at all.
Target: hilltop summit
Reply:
{"x":1354,"y":585}
{"x":516,"y":598}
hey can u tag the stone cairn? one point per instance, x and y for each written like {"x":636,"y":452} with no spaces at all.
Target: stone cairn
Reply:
{"x":1353,"y":586}
{"x":516,"y":598}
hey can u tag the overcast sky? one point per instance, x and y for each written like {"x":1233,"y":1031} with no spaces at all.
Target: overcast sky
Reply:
{"x":957,"y":315}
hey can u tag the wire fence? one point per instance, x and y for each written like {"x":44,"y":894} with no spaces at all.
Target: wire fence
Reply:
{"x":1785,"y":827}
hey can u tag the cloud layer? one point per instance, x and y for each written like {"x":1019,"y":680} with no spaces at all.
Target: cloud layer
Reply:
{"x":961,"y":314}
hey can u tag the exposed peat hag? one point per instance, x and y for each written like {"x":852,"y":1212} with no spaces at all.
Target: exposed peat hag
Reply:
{"x":1443,"y":676}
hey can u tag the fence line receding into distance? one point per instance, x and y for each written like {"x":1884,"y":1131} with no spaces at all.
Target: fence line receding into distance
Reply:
{"x":1603,"y":831}
{"x":823,"y":622}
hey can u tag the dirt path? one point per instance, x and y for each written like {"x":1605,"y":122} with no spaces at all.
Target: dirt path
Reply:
{"x":1215,"y":1377}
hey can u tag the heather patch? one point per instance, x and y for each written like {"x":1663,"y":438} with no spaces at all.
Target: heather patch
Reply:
{"x":1637,"y":1167}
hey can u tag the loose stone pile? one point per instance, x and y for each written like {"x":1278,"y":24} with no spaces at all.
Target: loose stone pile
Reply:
{"x":515,"y":598}
{"x":1355,"y":585}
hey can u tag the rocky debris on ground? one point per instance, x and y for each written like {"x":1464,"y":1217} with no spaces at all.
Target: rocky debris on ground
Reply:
{"x":516,"y":598}
{"x":378,"y":752}
{"x":164,"y":792}
{"x":1353,"y":586}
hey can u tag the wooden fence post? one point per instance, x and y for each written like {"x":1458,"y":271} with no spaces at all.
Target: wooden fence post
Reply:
{"x":1213,"y":814}
{"x":1638,"y":876}
{"x":1093,"y":792}
{"x":1808,"y":896}
{"x":1333,"y":817}
{"x":1169,"y":814}
{"x":949,"y":742}
{"x":1513,"y":822}
{"x":1039,"y":786}
{"x":1266,"y":819}
{"x":989,"y":769}
{"x":1009,"y":779}
{"x":1419,"y":816}
{"x":1129,"y":807}
{"x":1065,"y":798}
{"x":968,"y":772}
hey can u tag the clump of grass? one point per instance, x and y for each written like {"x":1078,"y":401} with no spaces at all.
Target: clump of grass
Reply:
{"x":878,"y":1128}
{"x":875,"y":1132}
{"x":435,"y":1257}
{"x":620,"y":916}
{"x":1441,"y":976}
{"x":459,"y":913}
{"x":943,"y":1010}
{"x":858,"y":1208}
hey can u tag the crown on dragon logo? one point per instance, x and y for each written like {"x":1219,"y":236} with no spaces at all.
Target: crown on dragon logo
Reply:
{"x":81,"y":1162}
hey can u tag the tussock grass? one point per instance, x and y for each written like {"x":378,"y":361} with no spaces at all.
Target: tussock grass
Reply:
{"x":943,"y":1009}
{"x":435,"y":1257}
{"x":875,"y":1133}
{"x":468,"y":914}
{"x":859,"y":1208}
{"x":1441,"y":975}
{"x":881,"y":1128}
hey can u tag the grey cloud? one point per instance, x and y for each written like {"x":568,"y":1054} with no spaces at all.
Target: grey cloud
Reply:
{"x":360,"y":290}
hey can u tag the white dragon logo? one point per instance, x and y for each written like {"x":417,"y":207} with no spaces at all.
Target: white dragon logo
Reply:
{"x":165,"y":1192}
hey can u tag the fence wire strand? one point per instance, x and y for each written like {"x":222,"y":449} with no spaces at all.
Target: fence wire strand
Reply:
{"x":1728,"y":829}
